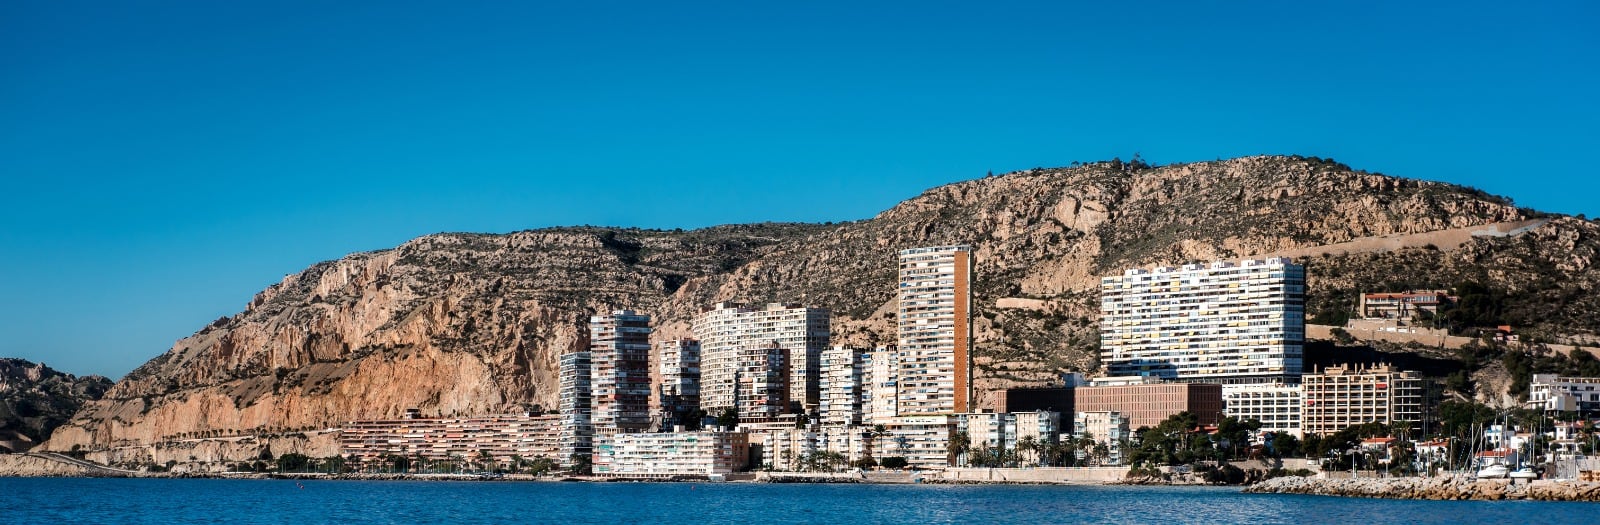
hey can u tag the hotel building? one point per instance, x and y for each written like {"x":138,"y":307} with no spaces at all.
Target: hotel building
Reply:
{"x":746,"y":357}
{"x":679,"y":392}
{"x":576,"y":405}
{"x":1219,"y":323}
{"x":619,"y":349}
{"x":935,"y":330}
{"x":1341,"y":396}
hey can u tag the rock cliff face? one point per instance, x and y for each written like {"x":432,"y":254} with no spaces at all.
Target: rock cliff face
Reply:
{"x":35,"y":399}
{"x":473,"y":323}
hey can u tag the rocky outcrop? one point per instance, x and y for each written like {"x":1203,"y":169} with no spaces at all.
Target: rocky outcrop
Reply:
{"x":34,"y":400}
{"x":474,"y":323}
{"x":1448,"y":488}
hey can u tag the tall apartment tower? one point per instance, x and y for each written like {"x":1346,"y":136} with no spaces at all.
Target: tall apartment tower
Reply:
{"x":680,"y":381}
{"x":749,"y":354}
{"x":1214,"y":323}
{"x":843,"y":388}
{"x":619,"y":347}
{"x":576,"y":435}
{"x":935,"y":328}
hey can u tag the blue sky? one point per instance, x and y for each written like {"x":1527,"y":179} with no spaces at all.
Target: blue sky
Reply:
{"x":160,"y":162}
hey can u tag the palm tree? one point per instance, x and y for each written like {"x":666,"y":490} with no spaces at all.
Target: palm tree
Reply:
{"x":959,"y":442}
{"x":486,"y":460}
{"x":1027,"y":445}
{"x":877,"y":432}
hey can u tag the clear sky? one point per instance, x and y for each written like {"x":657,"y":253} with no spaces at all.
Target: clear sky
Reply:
{"x":162,"y":161}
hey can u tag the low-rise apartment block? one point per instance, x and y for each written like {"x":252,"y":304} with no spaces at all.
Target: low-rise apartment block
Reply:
{"x":1341,"y":396}
{"x":1403,"y":305}
{"x":1108,"y":429}
{"x":667,"y":454}
{"x":1276,"y":406}
{"x":465,"y":439}
{"x":923,"y":440}
{"x":1146,"y":402}
{"x":1567,"y":394}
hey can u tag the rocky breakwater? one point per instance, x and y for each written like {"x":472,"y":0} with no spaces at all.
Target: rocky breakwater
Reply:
{"x":1434,"y":488}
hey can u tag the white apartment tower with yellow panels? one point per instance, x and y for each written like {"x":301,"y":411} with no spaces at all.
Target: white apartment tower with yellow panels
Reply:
{"x":1222,"y":322}
{"x":935,"y":331}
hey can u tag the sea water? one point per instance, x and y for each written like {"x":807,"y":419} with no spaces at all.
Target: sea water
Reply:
{"x":84,"y":500}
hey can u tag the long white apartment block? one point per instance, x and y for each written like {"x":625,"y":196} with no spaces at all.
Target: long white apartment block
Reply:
{"x":1276,"y":405}
{"x":935,"y":330}
{"x":501,"y":436}
{"x":668,"y":454}
{"x":746,"y":355}
{"x":1221,"y":322}
{"x":923,"y":440}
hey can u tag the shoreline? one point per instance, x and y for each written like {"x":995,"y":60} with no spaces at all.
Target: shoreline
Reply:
{"x":1445,"y":488}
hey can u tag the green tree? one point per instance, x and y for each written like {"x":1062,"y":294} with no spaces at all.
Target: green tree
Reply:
{"x":293,"y":462}
{"x":729,"y":418}
{"x":895,"y":462}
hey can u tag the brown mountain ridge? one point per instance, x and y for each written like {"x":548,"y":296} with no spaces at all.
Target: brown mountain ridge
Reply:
{"x":461,"y":323}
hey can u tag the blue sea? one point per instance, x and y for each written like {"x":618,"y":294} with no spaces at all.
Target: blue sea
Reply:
{"x":76,"y":500}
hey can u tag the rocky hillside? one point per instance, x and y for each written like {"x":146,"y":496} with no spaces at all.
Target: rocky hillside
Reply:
{"x":35,"y":399}
{"x":472,"y":323}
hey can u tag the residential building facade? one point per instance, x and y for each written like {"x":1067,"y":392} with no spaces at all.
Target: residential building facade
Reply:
{"x":1276,"y":405}
{"x":1220,"y":322}
{"x":1341,"y":396}
{"x":935,"y":330}
{"x":1108,"y":429}
{"x":844,"y":380}
{"x":619,"y":349}
{"x":1403,"y":305}
{"x":1149,"y":402}
{"x":746,"y":355}
{"x":679,"y":391}
{"x":466,"y":439}
{"x":1567,"y":394}
{"x":882,"y":384}
{"x":576,"y":407}
{"x":667,"y":454}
